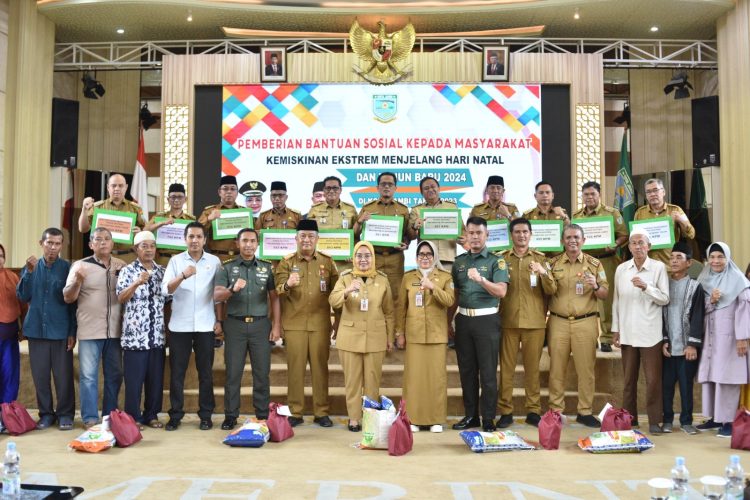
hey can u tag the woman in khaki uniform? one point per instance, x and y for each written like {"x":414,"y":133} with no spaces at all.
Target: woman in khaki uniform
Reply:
{"x":365,"y":331}
{"x":422,"y":326}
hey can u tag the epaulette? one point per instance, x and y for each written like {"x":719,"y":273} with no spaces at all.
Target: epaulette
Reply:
{"x":134,"y":204}
{"x":498,"y":253}
{"x":295,"y":211}
{"x":98,"y":203}
{"x":382,"y":274}
{"x":579,"y":212}
{"x":591,"y":259}
{"x":343,"y":203}
{"x":479,"y":205}
{"x":289,"y":256}
{"x":265,"y":261}
{"x":210,"y":207}
{"x":345,"y":272}
{"x":443,"y":271}
{"x":369,"y":203}
{"x":609,"y":209}
{"x":527,"y":212}
{"x":318,"y":204}
{"x":505,"y":253}
{"x":536,"y":252}
{"x":321,"y":252}
{"x":554,"y":259}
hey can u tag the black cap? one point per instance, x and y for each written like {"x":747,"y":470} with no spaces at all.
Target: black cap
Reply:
{"x":253,"y":188}
{"x":495,"y":180}
{"x":278,"y":186}
{"x":176,"y":188}
{"x":318,"y":186}
{"x":228,"y":179}
{"x":683,"y":247}
{"x":307,"y":225}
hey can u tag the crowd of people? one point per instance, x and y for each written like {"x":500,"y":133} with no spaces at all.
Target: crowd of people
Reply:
{"x":125,"y":305}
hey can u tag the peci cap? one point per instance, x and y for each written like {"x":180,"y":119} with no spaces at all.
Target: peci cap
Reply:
{"x":278,"y":186}
{"x":683,"y":247}
{"x":318,"y":186}
{"x":228,"y":180}
{"x":253,"y":188}
{"x":176,"y":188}
{"x":495,"y":180}
{"x":307,"y":225}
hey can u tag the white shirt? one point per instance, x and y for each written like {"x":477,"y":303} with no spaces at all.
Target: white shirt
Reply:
{"x":636,"y":313}
{"x":193,"y":300}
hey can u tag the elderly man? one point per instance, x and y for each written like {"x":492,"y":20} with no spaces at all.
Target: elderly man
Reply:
{"x":50,"y":328}
{"x":495,"y":208}
{"x":430,"y":189}
{"x":143,"y":340}
{"x":578,"y":281}
{"x":92,"y":282}
{"x":116,"y":188}
{"x":227,"y":195}
{"x":304,"y":281}
{"x":279,"y":216}
{"x":189,"y":280}
{"x":481,"y":280}
{"x":658,"y":207}
{"x":176,"y":198}
{"x":593,"y":207}
{"x":247,"y":285}
{"x":641,"y":290}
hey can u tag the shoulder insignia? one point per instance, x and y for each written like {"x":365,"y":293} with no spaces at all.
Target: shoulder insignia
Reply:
{"x":504,"y":253}
{"x":317,"y":204}
{"x":99,"y":203}
{"x":554,"y":259}
{"x":610,"y":209}
{"x":578,"y":213}
{"x":295,"y":211}
{"x":619,"y":219}
{"x":382,"y":274}
{"x":593,"y":260}
{"x":479,"y":205}
{"x":528,"y":212}
{"x":370,"y":203}
{"x":536,"y":252}
{"x":345,"y":272}
{"x":209,"y":207}
{"x":265,"y":261}
{"x":321,"y":252}
{"x":289,"y":256}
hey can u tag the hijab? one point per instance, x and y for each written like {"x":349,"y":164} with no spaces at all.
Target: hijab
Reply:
{"x":372,"y":272}
{"x":435,"y":258}
{"x":731,"y":281}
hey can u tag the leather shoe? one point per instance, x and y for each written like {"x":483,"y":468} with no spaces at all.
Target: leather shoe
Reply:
{"x":355,"y":427}
{"x":533,"y":419}
{"x":505,"y":421}
{"x":295,"y":421}
{"x":46,"y":421}
{"x":205,"y":425}
{"x":605,"y":347}
{"x":323,"y":421}
{"x":588,"y":420}
{"x":655,"y":429}
{"x":489,"y":425}
{"x":466,"y":423}
{"x":172,"y":425}
{"x":228,"y":423}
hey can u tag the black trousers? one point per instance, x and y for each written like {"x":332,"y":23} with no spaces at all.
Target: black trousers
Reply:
{"x":477,"y":352}
{"x":51,"y":357}
{"x":144,"y":372}
{"x":180,"y":346}
{"x":677,"y":370}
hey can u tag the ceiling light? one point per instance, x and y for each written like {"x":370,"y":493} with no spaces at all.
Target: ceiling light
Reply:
{"x":190,"y":16}
{"x":576,"y":15}
{"x":654,"y":29}
{"x":679,"y":83}
{"x":92,"y":89}
{"x":147,"y":119}
{"x":120,"y":31}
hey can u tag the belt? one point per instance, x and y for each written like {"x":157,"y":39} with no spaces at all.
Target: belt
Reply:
{"x":121,"y":252}
{"x":573,"y":318}
{"x":224,"y":252}
{"x":485,"y":311}
{"x":388,"y":252}
{"x":248,"y":319}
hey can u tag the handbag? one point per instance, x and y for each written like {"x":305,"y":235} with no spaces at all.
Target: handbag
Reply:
{"x":278,"y":425}
{"x":741,"y":430}
{"x":16,"y":419}
{"x":400,"y":437}
{"x":124,"y":428}
{"x":617,"y":419}
{"x":550,"y":428}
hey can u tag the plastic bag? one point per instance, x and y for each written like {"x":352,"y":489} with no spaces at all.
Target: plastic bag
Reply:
{"x":252,"y":434}
{"x":124,"y":428}
{"x":550,"y":428}
{"x":376,"y":424}
{"x":615,"y":442}
{"x":741,"y":430}
{"x":94,"y":439}
{"x":16,"y":419}
{"x":400,"y":437}
{"x":481,"y":442}
{"x":278,"y":425}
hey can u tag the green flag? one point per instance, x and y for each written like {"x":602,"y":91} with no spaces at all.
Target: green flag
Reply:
{"x":624,"y":192}
{"x":698,"y":214}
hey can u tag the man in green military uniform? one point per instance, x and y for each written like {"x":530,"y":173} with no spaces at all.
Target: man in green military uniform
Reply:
{"x":246,"y":284}
{"x":279,"y":216}
{"x":116,"y":188}
{"x":495,"y":208}
{"x":227,"y":195}
{"x":658,"y":207}
{"x":593,"y":207}
{"x":304,"y":281}
{"x":176,"y":198}
{"x":481,"y":279}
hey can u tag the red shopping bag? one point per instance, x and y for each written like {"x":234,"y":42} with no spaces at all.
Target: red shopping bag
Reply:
{"x":16,"y":419}
{"x":741,"y":430}
{"x":278,"y":425}
{"x":550,"y":428}
{"x":617,"y":419}
{"x":124,"y":428}
{"x":400,"y":437}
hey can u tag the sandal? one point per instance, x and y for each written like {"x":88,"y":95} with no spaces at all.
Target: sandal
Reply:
{"x":155,"y":424}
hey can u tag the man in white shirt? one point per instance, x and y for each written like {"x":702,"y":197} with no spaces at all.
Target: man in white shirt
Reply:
{"x":641,"y":290}
{"x":189,"y":280}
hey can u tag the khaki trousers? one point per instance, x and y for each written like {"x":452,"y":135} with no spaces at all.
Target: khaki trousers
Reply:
{"x":303,"y":346}
{"x":362,"y":372}
{"x":530,"y":342}
{"x":579,"y":338}
{"x":392,"y":265}
{"x":605,"y":306}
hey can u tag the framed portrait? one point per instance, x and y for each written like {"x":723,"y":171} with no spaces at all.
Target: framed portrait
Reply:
{"x":272,"y":64}
{"x":495,"y":67}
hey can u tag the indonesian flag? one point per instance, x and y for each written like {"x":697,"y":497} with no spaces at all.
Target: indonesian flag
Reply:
{"x":139,"y":189}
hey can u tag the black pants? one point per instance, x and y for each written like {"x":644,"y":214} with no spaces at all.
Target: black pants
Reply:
{"x":144,"y":372}
{"x":477,"y":352}
{"x":180,"y":345}
{"x":677,"y":369}
{"x":52,"y":357}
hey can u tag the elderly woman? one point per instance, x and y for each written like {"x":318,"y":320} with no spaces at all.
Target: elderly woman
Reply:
{"x":139,"y":289}
{"x":422,"y":326}
{"x":10,"y":312}
{"x":365,"y":331}
{"x":724,"y":365}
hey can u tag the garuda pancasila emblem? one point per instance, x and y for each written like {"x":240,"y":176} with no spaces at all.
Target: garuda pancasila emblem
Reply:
{"x":381,"y":51}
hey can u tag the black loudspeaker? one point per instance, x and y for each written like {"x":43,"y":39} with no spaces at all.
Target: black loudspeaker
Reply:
{"x":705,"y":115}
{"x":64,"y":133}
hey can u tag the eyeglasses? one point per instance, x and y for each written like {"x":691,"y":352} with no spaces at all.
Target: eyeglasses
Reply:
{"x":423,"y":255}
{"x":331,"y":189}
{"x":307,"y":236}
{"x":361,"y":256}
{"x":176,"y":197}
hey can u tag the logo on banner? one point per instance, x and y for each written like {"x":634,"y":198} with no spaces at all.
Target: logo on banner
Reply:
{"x":384,"y":107}
{"x":381,"y":51}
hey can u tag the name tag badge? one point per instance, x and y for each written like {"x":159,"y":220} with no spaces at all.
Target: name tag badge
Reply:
{"x":345,"y":224}
{"x":363,"y":305}
{"x":323,"y":286}
{"x":419,"y":299}
{"x":533,"y":280}
{"x":579,"y":288}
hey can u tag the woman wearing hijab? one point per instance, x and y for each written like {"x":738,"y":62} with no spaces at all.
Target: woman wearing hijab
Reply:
{"x":10,"y":312}
{"x":724,"y":366}
{"x":422,"y":326}
{"x":365,"y":331}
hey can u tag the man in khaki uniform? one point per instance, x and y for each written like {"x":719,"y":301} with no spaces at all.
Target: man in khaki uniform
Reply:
{"x":304,"y":281}
{"x":333,"y":213}
{"x":389,"y":260}
{"x":224,"y":249}
{"x":176,"y":199}
{"x":116,"y":188}
{"x":430,"y":189}
{"x":578,"y":281}
{"x":495,"y":208}
{"x":593,"y":207}
{"x":524,"y":314}
{"x":658,"y":207}
{"x":279,"y":216}
{"x":544,"y":210}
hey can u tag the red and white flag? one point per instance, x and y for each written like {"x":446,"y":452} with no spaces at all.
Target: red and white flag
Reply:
{"x":139,"y":189}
